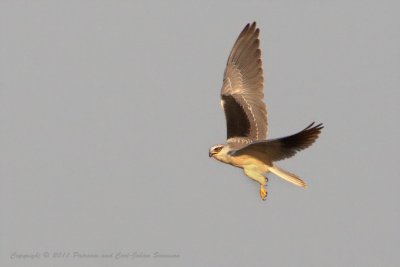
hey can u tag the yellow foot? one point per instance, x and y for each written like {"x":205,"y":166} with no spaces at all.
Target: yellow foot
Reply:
{"x":263,"y":192}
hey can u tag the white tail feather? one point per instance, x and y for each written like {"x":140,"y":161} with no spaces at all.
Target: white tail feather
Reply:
{"x":290,"y":177}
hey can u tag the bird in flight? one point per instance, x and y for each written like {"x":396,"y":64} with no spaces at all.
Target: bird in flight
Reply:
{"x":246,"y":118}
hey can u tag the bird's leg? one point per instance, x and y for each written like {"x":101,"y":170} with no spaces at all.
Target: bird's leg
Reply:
{"x":263,"y":192}
{"x":257,"y":175}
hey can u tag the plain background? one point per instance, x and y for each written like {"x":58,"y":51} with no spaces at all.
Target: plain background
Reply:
{"x":108,"y":109}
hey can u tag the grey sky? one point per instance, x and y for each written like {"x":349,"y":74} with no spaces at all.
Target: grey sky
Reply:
{"x":108,"y":109}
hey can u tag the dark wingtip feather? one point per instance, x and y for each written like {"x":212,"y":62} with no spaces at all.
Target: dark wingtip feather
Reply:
{"x":309,"y":126}
{"x":319,"y":126}
{"x":253,"y":25}
{"x":304,"y":138}
{"x":244,"y":31}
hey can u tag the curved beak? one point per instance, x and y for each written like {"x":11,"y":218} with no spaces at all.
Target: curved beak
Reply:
{"x":210,"y":154}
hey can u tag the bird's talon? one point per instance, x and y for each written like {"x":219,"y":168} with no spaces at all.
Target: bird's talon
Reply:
{"x":263,"y":193}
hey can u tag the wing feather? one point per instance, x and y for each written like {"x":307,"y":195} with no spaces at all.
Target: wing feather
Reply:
{"x":242,"y":90}
{"x":281,"y":148}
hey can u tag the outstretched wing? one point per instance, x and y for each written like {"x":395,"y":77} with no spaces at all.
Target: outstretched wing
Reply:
{"x":281,"y":148}
{"x":242,"y":90}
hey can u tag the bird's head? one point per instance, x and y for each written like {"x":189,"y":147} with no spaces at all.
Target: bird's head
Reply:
{"x":215,"y":150}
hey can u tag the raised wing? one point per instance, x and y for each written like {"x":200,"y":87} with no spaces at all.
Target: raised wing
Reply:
{"x":281,"y":148}
{"x":242,"y":90}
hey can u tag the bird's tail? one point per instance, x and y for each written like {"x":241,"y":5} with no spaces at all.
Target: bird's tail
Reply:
{"x":290,"y":177}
